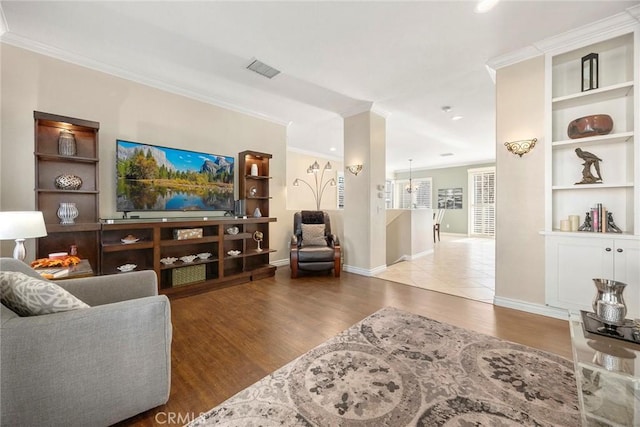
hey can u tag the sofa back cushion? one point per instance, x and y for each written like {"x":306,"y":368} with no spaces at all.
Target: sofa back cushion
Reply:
{"x":28,"y":296}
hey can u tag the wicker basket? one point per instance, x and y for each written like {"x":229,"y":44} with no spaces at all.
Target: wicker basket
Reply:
{"x":187,"y":275}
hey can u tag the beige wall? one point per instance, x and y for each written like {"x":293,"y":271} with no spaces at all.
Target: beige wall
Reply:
{"x":364,"y":213}
{"x":125,"y":110}
{"x":520,"y":183}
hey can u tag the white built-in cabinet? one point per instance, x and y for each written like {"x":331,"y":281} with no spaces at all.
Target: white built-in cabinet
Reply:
{"x":580,"y":259}
{"x":573,"y":259}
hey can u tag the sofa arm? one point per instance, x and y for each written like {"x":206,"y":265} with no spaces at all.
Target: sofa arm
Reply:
{"x":99,"y":290}
{"x":103,"y":364}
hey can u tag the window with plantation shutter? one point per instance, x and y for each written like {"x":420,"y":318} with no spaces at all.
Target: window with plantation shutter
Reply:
{"x":419,"y":198}
{"x":482,"y":203}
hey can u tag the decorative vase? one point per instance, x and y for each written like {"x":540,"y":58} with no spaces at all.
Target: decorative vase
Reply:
{"x":67,"y":212}
{"x":66,"y":143}
{"x":608,"y":303}
{"x":597,"y":124}
{"x":68,"y":182}
{"x":254,"y":170}
{"x":257,"y":213}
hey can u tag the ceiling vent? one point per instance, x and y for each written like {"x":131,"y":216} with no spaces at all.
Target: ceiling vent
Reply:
{"x":263,"y":69}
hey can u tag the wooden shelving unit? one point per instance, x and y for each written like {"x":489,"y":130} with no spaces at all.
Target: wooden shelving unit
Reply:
{"x":49,"y":164}
{"x":156,"y":241}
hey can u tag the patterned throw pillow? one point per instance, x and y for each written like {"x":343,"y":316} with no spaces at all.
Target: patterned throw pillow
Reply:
{"x":313,"y":235}
{"x":28,"y":296}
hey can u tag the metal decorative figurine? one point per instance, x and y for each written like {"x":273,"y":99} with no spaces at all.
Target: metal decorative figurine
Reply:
{"x":589,"y":159}
{"x":586,"y":225}
{"x":611,"y":225}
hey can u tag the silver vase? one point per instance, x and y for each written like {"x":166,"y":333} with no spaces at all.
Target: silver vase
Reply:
{"x":608,"y":303}
{"x":67,"y":212}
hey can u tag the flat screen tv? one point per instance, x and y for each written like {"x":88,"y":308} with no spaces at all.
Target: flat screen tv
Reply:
{"x":154,"y":178}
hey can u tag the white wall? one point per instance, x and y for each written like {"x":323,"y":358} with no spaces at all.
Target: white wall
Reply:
{"x":124,"y":110}
{"x":520,"y":183}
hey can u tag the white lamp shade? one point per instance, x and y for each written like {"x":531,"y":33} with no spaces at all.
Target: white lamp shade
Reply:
{"x":21,"y":225}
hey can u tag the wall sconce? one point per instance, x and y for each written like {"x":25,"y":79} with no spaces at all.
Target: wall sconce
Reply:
{"x":590,"y":72}
{"x":319,"y":187}
{"x":521,"y":147}
{"x":355,"y":169}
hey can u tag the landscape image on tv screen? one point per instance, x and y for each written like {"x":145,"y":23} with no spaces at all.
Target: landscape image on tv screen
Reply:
{"x":154,"y":178}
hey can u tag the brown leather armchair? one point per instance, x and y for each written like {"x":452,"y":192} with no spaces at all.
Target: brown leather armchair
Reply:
{"x":313,"y":247}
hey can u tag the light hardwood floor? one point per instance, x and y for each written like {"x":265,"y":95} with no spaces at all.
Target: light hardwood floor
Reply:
{"x":227,"y":339}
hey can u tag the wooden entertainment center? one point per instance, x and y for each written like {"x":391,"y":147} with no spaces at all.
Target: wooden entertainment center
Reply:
{"x":156,"y":241}
{"x":233,"y":249}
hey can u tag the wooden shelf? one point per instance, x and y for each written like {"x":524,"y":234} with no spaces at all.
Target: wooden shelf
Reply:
{"x":594,"y":140}
{"x":58,"y":157}
{"x":85,"y":233}
{"x":201,"y":240}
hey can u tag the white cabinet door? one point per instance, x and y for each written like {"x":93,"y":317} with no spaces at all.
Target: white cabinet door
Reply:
{"x":573,"y":262}
{"x":626,"y":261}
{"x":571,"y":265}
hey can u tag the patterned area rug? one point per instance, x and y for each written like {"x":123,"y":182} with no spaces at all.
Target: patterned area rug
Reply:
{"x":398,"y":369}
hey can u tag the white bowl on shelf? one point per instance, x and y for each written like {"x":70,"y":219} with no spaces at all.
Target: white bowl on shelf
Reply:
{"x":204,"y":255}
{"x":234,"y":253}
{"x":127,"y":267}
{"x":188,"y":258}
{"x":168,"y":260}
{"x":233,"y":230}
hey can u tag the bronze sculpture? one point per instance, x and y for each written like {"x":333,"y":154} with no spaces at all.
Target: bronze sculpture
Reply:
{"x":589,"y":159}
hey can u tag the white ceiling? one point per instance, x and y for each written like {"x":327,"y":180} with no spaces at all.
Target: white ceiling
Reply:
{"x":404,"y":60}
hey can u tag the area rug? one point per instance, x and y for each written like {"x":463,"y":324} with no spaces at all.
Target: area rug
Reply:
{"x":399,"y":369}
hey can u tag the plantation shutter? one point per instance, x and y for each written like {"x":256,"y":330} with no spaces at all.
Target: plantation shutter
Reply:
{"x":482,"y":204}
{"x":420,"y":198}
{"x":340,"y":190}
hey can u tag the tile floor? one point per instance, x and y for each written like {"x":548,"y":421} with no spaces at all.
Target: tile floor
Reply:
{"x":459,"y":265}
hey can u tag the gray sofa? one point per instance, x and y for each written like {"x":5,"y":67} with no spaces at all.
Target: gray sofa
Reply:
{"x":94,"y":366}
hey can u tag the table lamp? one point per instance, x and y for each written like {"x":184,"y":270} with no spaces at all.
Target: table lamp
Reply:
{"x":21,"y":225}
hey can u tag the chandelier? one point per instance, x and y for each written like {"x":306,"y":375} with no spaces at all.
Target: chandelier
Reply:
{"x":410,"y":188}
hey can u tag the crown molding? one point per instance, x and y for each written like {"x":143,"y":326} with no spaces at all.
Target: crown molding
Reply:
{"x":618,"y":24}
{"x":513,"y":57}
{"x":83,"y":61}
{"x":360,"y":107}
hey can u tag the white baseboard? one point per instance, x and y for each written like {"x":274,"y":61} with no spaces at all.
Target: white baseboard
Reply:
{"x":364,"y":272}
{"x":529,"y":307}
{"x":416,"y":256}
{"x":280,"y":262}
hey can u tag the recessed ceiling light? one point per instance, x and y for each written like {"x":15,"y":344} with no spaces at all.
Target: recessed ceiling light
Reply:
{"x":456,"y":117}
{"x":332,"y":149}
{"x":485,"y":5}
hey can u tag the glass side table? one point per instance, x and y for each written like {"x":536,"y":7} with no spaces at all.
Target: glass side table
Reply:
{"x":607,"y":375}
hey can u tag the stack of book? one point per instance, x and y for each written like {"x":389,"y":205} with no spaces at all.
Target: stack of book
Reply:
{"x":599,"y":219}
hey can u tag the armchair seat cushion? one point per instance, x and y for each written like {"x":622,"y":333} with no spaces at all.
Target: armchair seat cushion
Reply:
{"x":315,"y":254}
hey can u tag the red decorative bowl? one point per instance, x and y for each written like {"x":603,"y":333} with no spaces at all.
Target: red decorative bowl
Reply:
{"x":597,"y":124}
